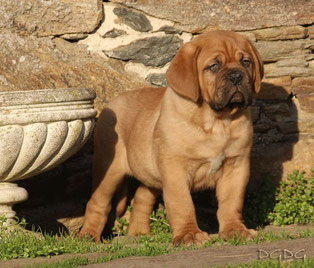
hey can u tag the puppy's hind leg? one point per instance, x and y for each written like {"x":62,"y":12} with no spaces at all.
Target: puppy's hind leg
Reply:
{"x":144,"y":201}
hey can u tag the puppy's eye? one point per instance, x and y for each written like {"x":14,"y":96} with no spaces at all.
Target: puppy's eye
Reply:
{"x":214,"y":67}
{"x":246,"y":63}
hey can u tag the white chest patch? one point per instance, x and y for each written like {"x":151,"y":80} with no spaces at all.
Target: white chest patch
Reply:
{"x":216,"y":163}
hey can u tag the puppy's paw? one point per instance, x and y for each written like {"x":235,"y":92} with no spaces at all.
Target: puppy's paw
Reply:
{"x":90,"y":234}
{"x":139,"y":231}
{"x":237,"y":230}
{"x":138,"y":228}
{"x":191,"y":237}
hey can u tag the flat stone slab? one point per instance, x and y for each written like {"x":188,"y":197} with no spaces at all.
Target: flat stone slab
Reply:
{"x":218,"y":255}
{"x":56,"y":17}
{"x":232,"y":15}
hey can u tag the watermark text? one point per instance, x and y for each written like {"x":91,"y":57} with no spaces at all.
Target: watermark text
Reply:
{"x":282,"y":254}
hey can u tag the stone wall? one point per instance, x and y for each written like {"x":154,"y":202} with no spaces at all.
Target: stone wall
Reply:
{"x":119,"y":45}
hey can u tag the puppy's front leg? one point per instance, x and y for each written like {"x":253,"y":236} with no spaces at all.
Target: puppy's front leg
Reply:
{"x":230,"y":192}
{"x":180,"y":207}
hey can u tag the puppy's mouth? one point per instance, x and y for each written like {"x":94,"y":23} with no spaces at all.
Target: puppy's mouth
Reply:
{"x":235,"y":100}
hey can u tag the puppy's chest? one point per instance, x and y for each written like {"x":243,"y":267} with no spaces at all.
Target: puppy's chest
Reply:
{"x":215,"y":163}
{"x":212,"y":153}
{"x":207,"y":172}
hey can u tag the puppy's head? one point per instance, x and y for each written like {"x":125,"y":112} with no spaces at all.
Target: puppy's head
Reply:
{"x":221,"y":68}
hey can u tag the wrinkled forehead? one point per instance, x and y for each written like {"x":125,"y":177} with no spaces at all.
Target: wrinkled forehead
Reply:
{"x":224,"y":46}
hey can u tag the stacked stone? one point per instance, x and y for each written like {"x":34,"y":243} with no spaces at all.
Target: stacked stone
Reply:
{"x":147,"y":44}
{"x":284,"y":108}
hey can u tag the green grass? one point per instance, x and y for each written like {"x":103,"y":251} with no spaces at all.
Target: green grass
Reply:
{"x":149,"y":246}
{"x":16,"y":242}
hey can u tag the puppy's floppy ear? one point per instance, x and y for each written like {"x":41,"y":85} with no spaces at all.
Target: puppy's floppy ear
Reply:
{"x":258,"y":71}
{"x":182,"y":74}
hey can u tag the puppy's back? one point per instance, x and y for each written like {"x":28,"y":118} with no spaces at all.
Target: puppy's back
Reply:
{"x":131,"y":113}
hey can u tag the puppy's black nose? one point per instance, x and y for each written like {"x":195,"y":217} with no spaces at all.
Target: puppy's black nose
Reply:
{"x":236,"y":77}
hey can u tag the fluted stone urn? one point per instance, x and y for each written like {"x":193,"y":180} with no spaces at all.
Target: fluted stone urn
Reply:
{"x":39,"y":129}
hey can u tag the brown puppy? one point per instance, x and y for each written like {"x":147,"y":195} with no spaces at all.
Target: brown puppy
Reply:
{"x":193,"y":135}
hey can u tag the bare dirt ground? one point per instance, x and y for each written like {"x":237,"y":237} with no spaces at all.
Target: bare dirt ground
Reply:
{"x":217,"y":255}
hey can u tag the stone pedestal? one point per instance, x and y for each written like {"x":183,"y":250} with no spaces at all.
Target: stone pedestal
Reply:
{"x":10,"y":194}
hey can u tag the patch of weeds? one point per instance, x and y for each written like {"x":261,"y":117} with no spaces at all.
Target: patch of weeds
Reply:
{"x":159,"y":222}
{"x":294,"y":200}
{"x":306,"y":233}
{"x":159,"y":226}
{"x":291,"y":202}
{"x":121,"y":227}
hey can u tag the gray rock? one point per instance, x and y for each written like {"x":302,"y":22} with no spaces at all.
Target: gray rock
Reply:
{"x":157,"y":79}
{"x":229,"y":15}
{"x":293,"y":62}
{"x":170,"y":30}
{"x":153,"y":51}
{"x":281,"y":33}
{"x":135,"y":20}
{"x":278,"y":50}
{"x":114,"y":33}
{"x":55,"y":17}
{"x":272,"y":70}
